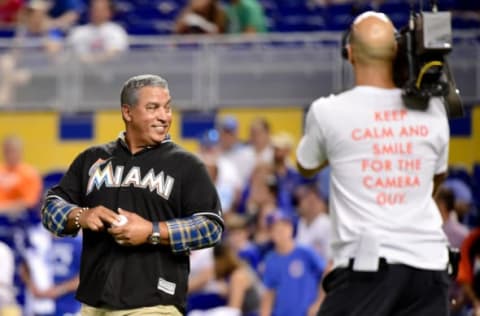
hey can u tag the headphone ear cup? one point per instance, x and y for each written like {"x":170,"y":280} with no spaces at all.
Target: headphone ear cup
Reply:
{"x":345,"y":52}
{"x":345,"y":41}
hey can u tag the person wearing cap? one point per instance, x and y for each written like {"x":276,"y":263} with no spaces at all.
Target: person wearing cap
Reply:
{"x":389,"y":252}
{"x":292,"y":273}
{"x":463,"y":202}
{"x":232,"y":149}
{"x":226,"y":173}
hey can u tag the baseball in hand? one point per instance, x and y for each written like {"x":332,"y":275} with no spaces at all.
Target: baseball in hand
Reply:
{"x":121,"y":220}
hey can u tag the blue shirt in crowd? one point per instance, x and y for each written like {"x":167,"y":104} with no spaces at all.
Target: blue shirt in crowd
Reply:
{"x":295,"y":279}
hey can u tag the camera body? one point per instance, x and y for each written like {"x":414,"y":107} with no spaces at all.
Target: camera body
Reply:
{"x":421,"y":68}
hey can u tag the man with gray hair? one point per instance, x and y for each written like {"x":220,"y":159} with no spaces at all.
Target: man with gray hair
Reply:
{"x":142,"y":203}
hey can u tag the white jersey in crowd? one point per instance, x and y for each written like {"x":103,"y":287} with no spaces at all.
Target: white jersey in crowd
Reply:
{"x":91,"y":39}
{"x":316,"y":234}
{"x":383,"y":158}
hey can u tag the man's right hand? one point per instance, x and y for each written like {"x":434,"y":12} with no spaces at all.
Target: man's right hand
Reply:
{"x":97,"y":218}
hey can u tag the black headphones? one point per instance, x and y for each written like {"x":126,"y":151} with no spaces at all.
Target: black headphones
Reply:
{"x":345,"y":41}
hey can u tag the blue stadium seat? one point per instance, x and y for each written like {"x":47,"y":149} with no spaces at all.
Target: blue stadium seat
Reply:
{"x":51,"y":179}
{"x":339,"y":17}
{"x":398,"y":12}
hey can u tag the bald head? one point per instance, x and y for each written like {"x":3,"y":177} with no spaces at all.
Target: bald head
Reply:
{"x":372,"y":40}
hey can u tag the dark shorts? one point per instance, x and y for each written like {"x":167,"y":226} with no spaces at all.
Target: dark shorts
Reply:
{"x":395,"y":290}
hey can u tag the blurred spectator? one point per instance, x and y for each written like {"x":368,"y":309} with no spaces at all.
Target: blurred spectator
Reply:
{"x":246,"y":16}
{"x":469,"y":269}
{"x":100,"y":39}
{"x":9,"y":11}
{"x":12,"y":77}
{"x":201,"y":17}
{"x":259,"y":147}
{"x":262,"y":190}
{"x":455,"y":231}
{"x":292,"y":273}
{"x":64,"y":13}
{"x":238,"y":238}
{"x":35,"y":29}
{"x":314,"y":226}
{"x":239,"y":283}
{"x":226,"y":191}
{"x":242,"y":286}
{"x":260,"y":141}
{"x":20,"y":191}
{"x":64,"y":259}
{"x":463,"y":205}
{"x":231,"y":148}
{"x":36,"y":271}
{"x":227,"y":173}
{"x":8,"y":305}
{"x":20,"y":183}
{"x":287,"y":175}
{"x":262,"y":201}
{"x":204,"y":292}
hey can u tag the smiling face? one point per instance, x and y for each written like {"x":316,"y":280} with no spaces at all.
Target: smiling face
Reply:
{"x":148,"y":121}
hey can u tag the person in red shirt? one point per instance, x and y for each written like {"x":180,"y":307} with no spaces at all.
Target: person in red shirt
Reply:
{"x":9,"y":10}
{"x":469,"y":269}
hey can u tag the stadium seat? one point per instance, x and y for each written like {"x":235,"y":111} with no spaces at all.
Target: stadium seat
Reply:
{"x":51,"y":179}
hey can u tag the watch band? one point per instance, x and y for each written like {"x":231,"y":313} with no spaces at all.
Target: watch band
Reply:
{"x":156,"y":228}
{"x":154,"y":238}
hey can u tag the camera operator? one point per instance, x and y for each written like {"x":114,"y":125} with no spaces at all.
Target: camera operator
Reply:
{"x":389,"y":254}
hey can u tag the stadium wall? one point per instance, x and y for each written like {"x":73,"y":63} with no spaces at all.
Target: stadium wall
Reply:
{"x":52,"y":140}
{"x":51,"y":144}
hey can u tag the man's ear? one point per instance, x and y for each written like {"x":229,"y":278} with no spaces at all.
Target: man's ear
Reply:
{"x":126,"y":112}
{"x":350,"y":54}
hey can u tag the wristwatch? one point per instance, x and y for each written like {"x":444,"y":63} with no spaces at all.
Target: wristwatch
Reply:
{"x":154,"y":238}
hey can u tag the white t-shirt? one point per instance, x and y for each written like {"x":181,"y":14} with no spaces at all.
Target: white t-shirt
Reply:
{"x":240,"y":158}
{"x":246,"y":160}
{"x":383,"y":158}
{"x":91,"y":39}
{"x":316,"y":234}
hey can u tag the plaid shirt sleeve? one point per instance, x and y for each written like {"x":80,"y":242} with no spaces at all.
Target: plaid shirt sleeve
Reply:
{"x":192,"y":233}
{"x":55,"y":212}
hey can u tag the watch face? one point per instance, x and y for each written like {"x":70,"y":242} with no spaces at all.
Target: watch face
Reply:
{"x":154,"y":238}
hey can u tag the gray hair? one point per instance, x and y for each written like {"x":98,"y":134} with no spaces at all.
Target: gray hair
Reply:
{"x":130,"y":88}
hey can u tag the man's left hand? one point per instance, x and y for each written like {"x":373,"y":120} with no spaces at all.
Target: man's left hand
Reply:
{"x":134,"y":232}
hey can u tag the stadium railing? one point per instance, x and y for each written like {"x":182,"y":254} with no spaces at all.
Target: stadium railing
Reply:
{"x":204,"y":73}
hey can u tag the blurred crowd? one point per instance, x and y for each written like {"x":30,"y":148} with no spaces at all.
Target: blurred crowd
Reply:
{"x":97,"y":31}
{"x":103,"y":26}
{"x":275,"y":247}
